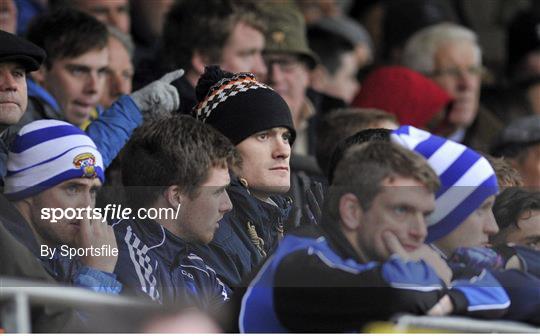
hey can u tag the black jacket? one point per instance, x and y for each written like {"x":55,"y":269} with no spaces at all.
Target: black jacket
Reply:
{"x":315,"y":283}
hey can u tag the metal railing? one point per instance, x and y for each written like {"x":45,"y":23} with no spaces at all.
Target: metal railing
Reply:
{"x":18,"y":296}
{"x":405,"y":323}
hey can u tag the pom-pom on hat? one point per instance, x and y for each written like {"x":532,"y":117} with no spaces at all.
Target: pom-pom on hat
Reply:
{"x":239,"y":106}
{"x":46,"y":153}
{"x":467,"y":178}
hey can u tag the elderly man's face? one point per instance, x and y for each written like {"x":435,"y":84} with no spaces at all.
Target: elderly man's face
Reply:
{"x":458,"y":70}
{"x":119,"y":73}
{"x":13,"y":96}
{"x":289,"y":76}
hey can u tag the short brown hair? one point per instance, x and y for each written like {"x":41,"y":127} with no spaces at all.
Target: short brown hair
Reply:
{"x":341,"y":124}
{"x":67,"y":33}
{"x":177,"y":150}
{"x":205,"y":26}
{"x":507,"y":176}
{"x":365,"y":166}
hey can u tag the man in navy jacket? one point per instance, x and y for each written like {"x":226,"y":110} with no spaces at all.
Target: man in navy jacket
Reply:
{"x":180,"y":165}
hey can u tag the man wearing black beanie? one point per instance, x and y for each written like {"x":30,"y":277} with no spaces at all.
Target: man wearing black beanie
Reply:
{"x":258,"y":122}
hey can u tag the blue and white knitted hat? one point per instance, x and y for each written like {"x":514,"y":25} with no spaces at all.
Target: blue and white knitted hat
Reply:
{"x":46,"y":153}
{"x":467,"y":178}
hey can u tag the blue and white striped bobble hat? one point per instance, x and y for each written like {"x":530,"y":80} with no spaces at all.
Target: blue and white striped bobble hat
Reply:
{"x":46,"y":153}
{"x":467,"y":178}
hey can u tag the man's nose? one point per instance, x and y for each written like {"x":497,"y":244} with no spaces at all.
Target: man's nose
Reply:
{"x":275,"y":74}
{"x":226,"y":205}
{"x":466,"y":79}
{"x":490,"y":225}
{"x":92,"y":83}
{"x":282,"y":149}
{"x":7,"y":82}
{"x":259,"y":67}
{"x":86,"y":200}
{"x":418,"y":228}
{"x":114,"y":83}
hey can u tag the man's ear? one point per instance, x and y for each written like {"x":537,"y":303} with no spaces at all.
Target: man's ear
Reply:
{"x":173,"y":195}
{"x":350,"y":212}
{"x":39,"y":75}
{"x":198,"y":61}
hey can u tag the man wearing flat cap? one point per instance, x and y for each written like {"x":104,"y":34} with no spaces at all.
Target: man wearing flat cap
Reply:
{"x":69,"y":84}
{"x":17,"y":58}
{"x":519,"y":144}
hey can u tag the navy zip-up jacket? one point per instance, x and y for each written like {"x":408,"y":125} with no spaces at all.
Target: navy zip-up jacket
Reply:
{"x":154,"y":263}
{"x":246,"y":235}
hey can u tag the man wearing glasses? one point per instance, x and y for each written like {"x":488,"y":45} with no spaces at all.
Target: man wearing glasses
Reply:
{"x":450,"y":55}
{"x":289,"y":61}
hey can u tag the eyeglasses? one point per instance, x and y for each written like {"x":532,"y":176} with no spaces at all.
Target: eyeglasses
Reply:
{"x":285,"y":63}
{"x":456,"y":72}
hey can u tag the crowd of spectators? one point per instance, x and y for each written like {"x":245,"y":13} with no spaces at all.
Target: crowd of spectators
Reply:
{"x":323,"y":164}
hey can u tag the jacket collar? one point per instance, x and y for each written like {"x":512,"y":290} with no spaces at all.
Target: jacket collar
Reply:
{"x":337,"y":240}
{"x":169,"y":247}
{"x":252,"y":207}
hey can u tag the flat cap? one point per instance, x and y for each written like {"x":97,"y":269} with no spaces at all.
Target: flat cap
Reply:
{"x":521,"y":131}
{"x":16,"y":49}
{"x":346,"y":27}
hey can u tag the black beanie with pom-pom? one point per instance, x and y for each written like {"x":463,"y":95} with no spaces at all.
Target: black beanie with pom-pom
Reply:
{"x":238,"y":105}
